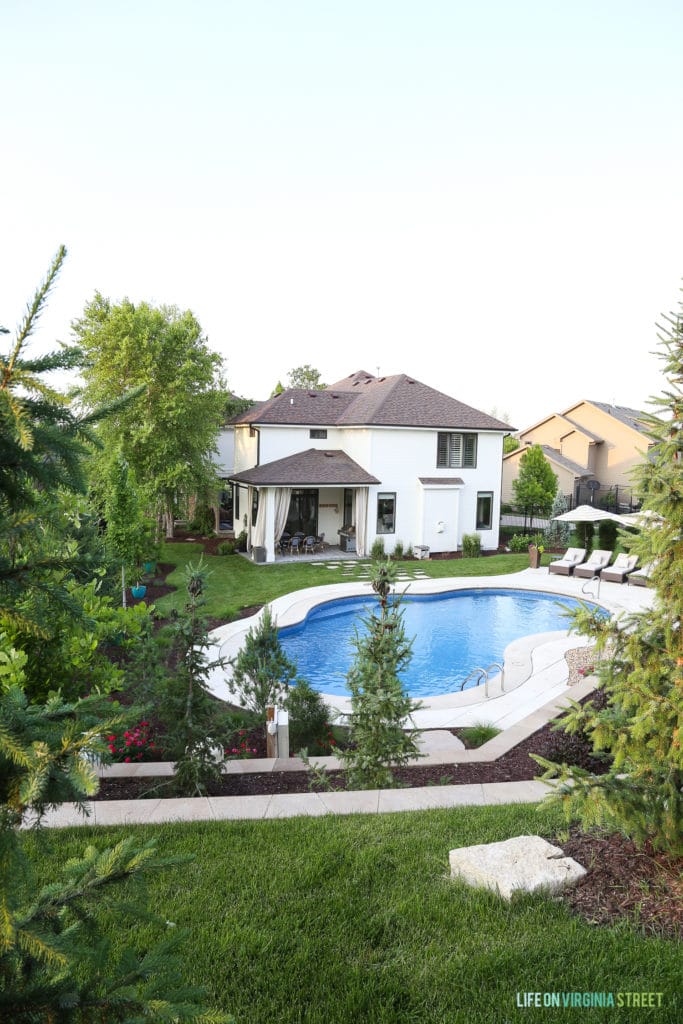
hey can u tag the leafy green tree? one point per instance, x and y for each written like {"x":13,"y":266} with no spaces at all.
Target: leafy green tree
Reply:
{"x":126,"y":534}
{"x":167,"y":434}
{"x":306,"y":377}
{"x":641,"y":666}
{"x":261,"y":672}
{"x":536,"y":484}
{"x":510,"y":444}
{"x":55,"y":962}
{"x":380,"y":706}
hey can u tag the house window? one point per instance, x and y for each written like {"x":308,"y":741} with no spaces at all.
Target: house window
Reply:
{"x":386,"y":513}
{"x":453,"y":451}
{"x":484,"y":510}
{"x":314,"y":432}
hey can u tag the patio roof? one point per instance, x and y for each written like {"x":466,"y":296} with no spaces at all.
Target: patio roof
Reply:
{"x":311,"y":468}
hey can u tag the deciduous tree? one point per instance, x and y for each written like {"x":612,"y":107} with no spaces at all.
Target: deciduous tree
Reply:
{"x":168,"y":433}
{"x":536,"y":484}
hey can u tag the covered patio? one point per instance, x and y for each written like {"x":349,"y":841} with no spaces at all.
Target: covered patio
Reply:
{"x":320,"y":491}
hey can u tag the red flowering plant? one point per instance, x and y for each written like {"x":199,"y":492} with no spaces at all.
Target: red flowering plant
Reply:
{"x":136,"y":744}
{"x":241,"y":746}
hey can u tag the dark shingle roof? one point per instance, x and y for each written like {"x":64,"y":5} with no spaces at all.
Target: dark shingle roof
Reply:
{"x":631,"y":417}
{"x":308,"y":468}
{"x":363,"y":400}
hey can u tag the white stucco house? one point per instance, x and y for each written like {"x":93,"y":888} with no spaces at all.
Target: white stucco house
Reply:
{"x":367,"y":457}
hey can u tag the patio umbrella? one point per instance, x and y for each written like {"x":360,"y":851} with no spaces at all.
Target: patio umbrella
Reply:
{"x":587,"y":514}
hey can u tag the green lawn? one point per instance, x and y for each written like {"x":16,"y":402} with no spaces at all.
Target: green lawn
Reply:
{"x":237,"y":583}
{"x":352,"y":920}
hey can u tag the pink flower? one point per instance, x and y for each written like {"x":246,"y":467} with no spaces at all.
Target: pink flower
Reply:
{"x":127,"y":760}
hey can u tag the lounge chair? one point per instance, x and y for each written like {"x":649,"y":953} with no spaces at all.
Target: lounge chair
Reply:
{"x":641,"y":577}
{"x":619,"y":570}
{"x":597,"y":561}
{"x":570,"y":559}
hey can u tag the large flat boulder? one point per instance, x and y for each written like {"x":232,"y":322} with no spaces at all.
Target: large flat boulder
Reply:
{"x":521,"y":864}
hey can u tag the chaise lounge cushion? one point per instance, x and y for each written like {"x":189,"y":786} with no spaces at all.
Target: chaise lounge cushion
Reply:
{"x":570,"y":559}
{"x":597,"y":561}
{"x":623,"y":565}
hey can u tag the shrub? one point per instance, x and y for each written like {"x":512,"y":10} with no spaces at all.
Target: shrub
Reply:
{"x":398,"y":551}
{"x":241,"y":542}
{"x":471,"y":545}
{"x":557,"y":533}
{"x":408,"y":553}
{"x":377,"y":549}
{"x":204,"y":520}
{"x":308,"y":718}
{"x":607,"y":534}
{"x":519,"y":542}
{"x":226,"y":547}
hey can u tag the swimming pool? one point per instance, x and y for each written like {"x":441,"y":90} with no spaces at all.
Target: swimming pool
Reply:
{"x":453,"y":634}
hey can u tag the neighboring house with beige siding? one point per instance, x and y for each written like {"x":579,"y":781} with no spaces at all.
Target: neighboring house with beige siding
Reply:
{"x":592,"y":448}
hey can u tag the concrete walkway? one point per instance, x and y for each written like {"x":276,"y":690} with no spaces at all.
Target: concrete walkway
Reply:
{"x":292,"y":805}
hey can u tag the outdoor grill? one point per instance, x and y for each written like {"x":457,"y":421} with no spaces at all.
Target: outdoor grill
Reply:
{"x":347,"y":538}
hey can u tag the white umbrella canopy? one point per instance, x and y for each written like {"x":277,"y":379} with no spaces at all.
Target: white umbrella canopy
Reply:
{"x":587,"y":514}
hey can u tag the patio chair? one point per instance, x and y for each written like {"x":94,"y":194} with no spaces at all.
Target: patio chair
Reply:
{"x":295,"y":546}
{"x":641,"y":577}
{"x":308,"y":546}
{"x":319,"y":542}
{"x":570,"y":559}
{"x":597,"y":561}
{"x":622,"y":566}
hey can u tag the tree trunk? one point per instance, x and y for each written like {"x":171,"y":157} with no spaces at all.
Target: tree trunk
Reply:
{"x":123,"y":586}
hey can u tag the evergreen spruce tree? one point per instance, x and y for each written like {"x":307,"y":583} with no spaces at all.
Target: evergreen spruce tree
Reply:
{"x":379,"y":703}
{"x":642,"y":668}
{"x":261,"y":672}
{"x":558,"y":533}
{"x":198,"y":725}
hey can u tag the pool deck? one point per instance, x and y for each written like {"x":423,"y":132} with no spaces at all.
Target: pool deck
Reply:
{"x":537,"y":670}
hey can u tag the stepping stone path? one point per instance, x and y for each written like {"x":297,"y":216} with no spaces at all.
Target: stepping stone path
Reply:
{"x":522,"y":864}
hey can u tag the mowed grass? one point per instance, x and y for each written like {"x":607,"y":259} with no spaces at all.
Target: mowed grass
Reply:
{"x":236,"y":583}
{"x":340,"y":920}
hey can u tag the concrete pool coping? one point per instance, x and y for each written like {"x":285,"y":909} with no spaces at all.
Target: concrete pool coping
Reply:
{"x":536,"y":669}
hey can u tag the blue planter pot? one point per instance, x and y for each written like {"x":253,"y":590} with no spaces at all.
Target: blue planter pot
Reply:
{"x":138,"y":591}
{"x":149,"y":566}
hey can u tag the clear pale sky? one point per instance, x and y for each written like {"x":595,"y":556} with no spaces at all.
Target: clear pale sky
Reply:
{"x":487,"y":196}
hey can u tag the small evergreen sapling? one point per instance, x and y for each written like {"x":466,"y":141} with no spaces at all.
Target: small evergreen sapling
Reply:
{"x":380,"y":705}
{"x":261,"y":672}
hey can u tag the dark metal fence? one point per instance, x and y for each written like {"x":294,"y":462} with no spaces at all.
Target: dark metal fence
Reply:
{"x":613,"y":499}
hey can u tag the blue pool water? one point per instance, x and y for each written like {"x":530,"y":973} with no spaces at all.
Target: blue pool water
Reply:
{"x":453,"y":633}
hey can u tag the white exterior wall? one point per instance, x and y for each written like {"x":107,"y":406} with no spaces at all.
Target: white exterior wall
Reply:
{"x":433,"y":516}
{"x":398,"y":457}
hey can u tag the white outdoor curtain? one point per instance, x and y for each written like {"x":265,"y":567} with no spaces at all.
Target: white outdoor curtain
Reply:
{"x":283,"y":497}
{"x":258,"y":537}
{"x":250,"y":505}
{"x":361,"y":521}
